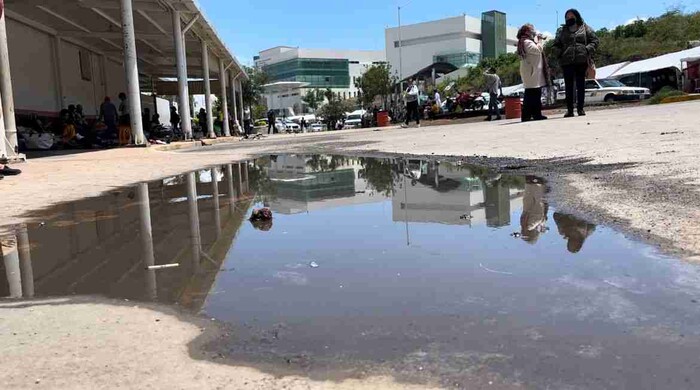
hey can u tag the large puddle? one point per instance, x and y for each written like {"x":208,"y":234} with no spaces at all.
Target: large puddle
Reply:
{"x":428,"y":271}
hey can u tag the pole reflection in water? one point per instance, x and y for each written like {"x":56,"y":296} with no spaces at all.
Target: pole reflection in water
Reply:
{"x":147,"y":254}
{"x":195,"y":234}
{"x":231,"y":190}
{"x":215,"y":194}
{"x":25,"y":261}
{"x":10,"y":257}
{"x":240,"y":179}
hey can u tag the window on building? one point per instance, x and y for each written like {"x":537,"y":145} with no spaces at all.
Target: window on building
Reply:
{"x":85,"y":65}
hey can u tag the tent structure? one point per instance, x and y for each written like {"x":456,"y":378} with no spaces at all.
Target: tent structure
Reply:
{"x":152,"y":41}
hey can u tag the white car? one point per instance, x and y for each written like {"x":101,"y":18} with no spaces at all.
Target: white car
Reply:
{"x":354,"y":119}
{"x":610,"y":90}
{"x":316,"y":127}
{"x":291,"y":126}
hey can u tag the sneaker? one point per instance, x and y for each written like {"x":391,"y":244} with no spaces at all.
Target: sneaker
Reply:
{"x":542,"y":118}
{"x":404,"y":126}
{"x":569,"y":115}
{"x":7,"y":171}
{"x":581,"y":112}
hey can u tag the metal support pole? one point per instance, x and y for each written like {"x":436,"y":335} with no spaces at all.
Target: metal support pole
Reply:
{"x":234,"y":103}
{"x":240,"y":99}
{"x":207,"y":90}
{"x":217,"y":205}
{"x":8,"y":101}
{"x":8,"y":247}
{"x":195,"y":234}
{"x":25,"y":261}
{"x":231,"y":190}
{"x":400,"y":53}
{"x":224,"y":103}
{"x":147,"y":252}
{"x":182,"y":87}
{"x":132,"y":72}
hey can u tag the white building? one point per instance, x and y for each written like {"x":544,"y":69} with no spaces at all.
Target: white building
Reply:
{"x":461,"y":41}
{"x":293,"y":71}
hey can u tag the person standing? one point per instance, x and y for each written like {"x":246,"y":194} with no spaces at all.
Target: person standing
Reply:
{"x":303,"y":124}
{"x":438,"y":100}
{"x":246,"y":121}
{"x":174,"y":119}
{"x":411,"y":94}
{"x":271,"y":118}
{"x":494,"y":89}
{"x":110,"y":116}
{"x":533,"y":71}
{"x":575,"y":44}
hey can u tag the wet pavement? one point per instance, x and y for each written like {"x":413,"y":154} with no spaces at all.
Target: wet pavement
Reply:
{"x":431,"y":272}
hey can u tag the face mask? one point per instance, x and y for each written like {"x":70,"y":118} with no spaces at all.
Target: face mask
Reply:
{"x":571,"y":22}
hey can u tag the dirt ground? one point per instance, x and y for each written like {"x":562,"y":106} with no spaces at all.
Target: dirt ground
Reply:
{"x":634,"y":169}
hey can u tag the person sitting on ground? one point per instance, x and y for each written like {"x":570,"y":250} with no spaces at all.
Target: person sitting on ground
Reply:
{"x":67,"y":126}
{"x":109,"y":115}
{"x":80,"y":119}
{"x":155,"y":120}
{"x":533,"y":70}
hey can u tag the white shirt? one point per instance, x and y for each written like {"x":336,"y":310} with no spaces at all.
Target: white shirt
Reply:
{"x":438,"y":100}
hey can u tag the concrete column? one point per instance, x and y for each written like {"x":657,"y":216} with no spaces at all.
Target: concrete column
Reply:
{"x":132,"y":72}
{"x":10,"y":257}
{"x":240,"y":98}
{"x":3,"y":143}
{"x":217,"y":205}
{"x":207,"y":91}
{"x":231,"y":189}
{"x":182,"y":87}
{"x":234,"y":104}
{"x":25,"y":261}
{"x":147,"y":252}
{"x":195,"y":234}
{"x":8,"y":100}
{"x":224,"y":102}
{"x":58,"y":74}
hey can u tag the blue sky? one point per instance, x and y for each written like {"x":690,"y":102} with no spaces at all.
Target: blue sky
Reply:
{"x":249,"y":26}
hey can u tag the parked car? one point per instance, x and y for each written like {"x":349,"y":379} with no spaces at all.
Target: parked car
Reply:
{"x":610,"y":90}
{"x":315,"y":127}
{"x":290,"y":126}
{"x":354,"y":119}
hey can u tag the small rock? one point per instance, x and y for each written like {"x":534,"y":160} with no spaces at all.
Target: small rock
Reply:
{"x":157,"y":319}
{"x":37,"y":381}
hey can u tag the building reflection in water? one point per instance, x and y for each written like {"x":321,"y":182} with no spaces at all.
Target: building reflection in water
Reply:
{"x":105,"y":245}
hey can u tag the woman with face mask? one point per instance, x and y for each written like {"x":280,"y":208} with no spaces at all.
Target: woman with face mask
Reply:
{"x":533,"y":71}
{"x":575,"y":44}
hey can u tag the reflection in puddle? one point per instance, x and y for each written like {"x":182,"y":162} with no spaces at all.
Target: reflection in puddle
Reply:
{"x":428,"y":271}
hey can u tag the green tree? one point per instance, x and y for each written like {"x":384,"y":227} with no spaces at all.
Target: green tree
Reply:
{"x":314,"y":98}
{"x":253,"y":89}
{"x":376,"y":81}
{"x":336,"y":108}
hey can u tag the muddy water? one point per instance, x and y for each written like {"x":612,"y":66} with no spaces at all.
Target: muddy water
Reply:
{"x":431,"y":272}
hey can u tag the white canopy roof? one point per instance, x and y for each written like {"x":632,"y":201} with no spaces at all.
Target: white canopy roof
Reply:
{"x":671,"y":60}
{"x":608,"y":71}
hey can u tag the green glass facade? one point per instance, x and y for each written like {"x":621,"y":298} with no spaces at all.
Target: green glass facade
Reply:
{"x":493,"y":34}
{"x":319,"y":73}
{"x":458,"y":59}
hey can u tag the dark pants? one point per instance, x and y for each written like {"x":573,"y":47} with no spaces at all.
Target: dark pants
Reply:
{"x":271,"y":126}
{"x":532,"y":104}
{"x":246,"y":126}
{"x":493,"y":106}
{"x":412,"y":112}
{"x":575,"y":75}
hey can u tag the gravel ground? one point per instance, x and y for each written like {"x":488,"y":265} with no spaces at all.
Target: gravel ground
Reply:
{"x":634,"y":169}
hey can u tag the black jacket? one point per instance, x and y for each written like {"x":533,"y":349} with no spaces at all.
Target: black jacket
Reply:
{"x":577,"y":47}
